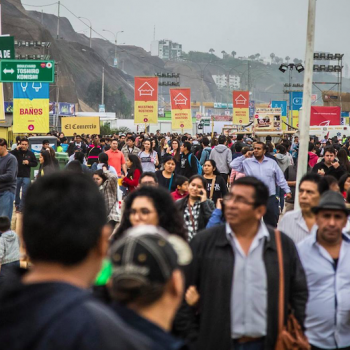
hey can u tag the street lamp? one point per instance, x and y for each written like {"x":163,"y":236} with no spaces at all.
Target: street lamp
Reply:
{"x":90,"y":27}
{"x":115,"y":43}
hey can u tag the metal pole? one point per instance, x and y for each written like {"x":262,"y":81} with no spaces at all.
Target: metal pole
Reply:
{"x":304,"y":118}
{"x":291,"y":96}
{"x":103,"y":86}
{"x":57,"y":98}
{"x":90,"y":35}
{"x":58,"y":20}
{"x":115,"y":50}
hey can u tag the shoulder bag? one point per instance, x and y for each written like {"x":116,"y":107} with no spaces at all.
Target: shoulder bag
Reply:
{"x":291,"y":336}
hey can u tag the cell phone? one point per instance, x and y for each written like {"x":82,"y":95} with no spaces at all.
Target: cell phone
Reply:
{"x":201,"y":193}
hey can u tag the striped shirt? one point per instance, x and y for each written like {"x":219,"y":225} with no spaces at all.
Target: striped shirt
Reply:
{"x":294,"y":226}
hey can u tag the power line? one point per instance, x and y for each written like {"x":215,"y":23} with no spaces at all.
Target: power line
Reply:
{"x":55,"y":3}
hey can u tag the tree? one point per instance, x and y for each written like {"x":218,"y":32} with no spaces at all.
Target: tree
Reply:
{"x":257,"y":56}
{"x":251,"y":57}
{"x":287,"y":59}
{"x":211,"y":51}
{"x":115,"y":100}
{"x":233,"y":53}
{"x":297,"y":60}
{"x":272,"y":55}
{"x":224,"y":54}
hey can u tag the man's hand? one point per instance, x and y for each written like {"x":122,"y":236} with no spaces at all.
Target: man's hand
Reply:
{"x":219,"y":204}
{"x":288,"y":196}
{"x":336,"y":165}
{"x":321,"y":172}
{"x":26,"y":162}
{"x":249,"y":154}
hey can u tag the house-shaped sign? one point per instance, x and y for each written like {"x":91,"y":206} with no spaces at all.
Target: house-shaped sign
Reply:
{"x":180,"y":99}
{"x":146,"y":89}
{"x":241,"y":100}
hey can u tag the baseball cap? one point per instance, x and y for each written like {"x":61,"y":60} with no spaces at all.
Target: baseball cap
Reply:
{"x":148,"y":255}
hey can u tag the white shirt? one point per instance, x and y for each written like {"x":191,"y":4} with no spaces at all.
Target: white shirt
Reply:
{"x":294,"y":226}
{"x":328,"y":308}
{"x":249,"y":287}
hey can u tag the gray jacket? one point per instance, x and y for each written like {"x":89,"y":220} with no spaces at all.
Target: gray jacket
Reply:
{"x":283,"y":161}
{"x":9,"y":247}
{"x":223,"y":157}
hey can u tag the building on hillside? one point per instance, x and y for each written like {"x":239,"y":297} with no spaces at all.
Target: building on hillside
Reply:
{"x":221,"y":81}
{"x":166,"y":49}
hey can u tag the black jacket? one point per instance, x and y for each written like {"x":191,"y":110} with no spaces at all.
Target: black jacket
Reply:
{"x":24,"y":169}
{"x":211,"y":271}
{"x":336,"y":172}
{"x":57,"y":316}
{"x":205,"y":212}
{"x":187,"y":169}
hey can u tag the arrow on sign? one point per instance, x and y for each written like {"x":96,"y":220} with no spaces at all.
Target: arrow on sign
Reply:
{"x":8,"y":71}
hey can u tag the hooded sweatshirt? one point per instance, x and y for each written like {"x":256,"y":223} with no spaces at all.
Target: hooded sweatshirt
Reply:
{"x":56,"y":316}
{"x":9,"y":247}
{"x":222,"y":157}
{"x":282,"y":161}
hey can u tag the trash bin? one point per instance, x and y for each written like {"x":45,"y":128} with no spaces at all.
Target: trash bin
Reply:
{"x":62,"y":158}
{"x":34,"y":170}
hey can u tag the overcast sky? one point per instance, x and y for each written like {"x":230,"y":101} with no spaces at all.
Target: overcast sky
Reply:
{"x":245,"y":26}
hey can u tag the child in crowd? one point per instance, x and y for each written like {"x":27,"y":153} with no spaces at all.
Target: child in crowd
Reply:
{"x":9,"y":248}
{"x":181,"y":183}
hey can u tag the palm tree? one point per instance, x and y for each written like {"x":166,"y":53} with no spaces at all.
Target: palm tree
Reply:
{"x":224,"y":54}
{"x":272,"y":56}
{"x":233,"y":53}
{"x":287,"y":59}
{"x":257,"y":55}
{"x":211,"y":51}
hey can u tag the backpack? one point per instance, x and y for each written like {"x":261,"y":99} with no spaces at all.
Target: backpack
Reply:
{"x":199,"y":167}
{"x":207,"y":155}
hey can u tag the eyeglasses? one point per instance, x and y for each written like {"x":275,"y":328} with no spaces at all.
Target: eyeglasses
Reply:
{"x":237,"y":199}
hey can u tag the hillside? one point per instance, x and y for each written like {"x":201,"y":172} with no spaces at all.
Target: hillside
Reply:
{"x":78,"y":65}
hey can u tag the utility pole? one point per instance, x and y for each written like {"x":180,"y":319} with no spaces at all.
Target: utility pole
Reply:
{"x":57,"y":98}
{"x":103,"y":86}
{"x":304,"y":121}
{"x":58,"y":20}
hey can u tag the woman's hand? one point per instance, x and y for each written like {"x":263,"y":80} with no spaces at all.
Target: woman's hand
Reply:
{"x":203,"y":196}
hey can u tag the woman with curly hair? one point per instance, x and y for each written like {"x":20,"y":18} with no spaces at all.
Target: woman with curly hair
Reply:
{"x":151,"y":206}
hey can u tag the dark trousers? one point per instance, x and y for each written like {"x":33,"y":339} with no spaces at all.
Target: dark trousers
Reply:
{"x":6,"y":269}
{"x":224,"y":176}
{"x":272,"y":213}
{"x":252,"y":345}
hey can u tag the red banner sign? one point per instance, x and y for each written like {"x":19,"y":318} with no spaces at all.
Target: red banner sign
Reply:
{"x":324,"y":116}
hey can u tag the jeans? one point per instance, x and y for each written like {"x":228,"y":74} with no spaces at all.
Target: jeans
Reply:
{"x":6,"y":269}
{"x":6,"y":204}
{"x":22,"y":182}
{"x":252,"y":345}
{"x":272,"y":213}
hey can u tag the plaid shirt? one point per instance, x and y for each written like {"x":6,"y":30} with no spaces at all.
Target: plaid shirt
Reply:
{"x":188,"y":221}
{"x":109,"y":191}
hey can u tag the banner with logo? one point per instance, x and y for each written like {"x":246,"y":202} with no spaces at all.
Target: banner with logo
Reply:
{"x":65,"y":108}
{"x":146,"y":100}
{"x":268,"y":119}
{"x":181,"y":117}
{"x":8,"y":107}
{"x":80,"y":125}
{"x":241,"y":107}
{"x":282,"y":105}
{"x":324,"y":116}
{"x":31,"y":107}
{"x":295,"y":100}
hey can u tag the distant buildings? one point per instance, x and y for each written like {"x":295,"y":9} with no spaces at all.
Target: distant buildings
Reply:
{"x":221,"y":81}
{"x":166,"y":49}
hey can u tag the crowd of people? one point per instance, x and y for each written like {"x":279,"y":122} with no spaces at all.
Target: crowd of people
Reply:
{"x":167,"y":241}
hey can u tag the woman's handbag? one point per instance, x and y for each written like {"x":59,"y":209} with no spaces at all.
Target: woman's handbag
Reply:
{"x":291,"y":336}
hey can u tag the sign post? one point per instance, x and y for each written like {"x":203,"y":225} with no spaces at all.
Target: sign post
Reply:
{"x":17,"y":71}
{"x":7,"y":48}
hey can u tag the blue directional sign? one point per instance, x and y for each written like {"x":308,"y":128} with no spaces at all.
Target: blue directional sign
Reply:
{"x":31,"y":90}
{"x":295,"y":100}
{"x":282,"y":105}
